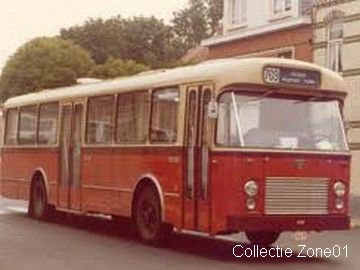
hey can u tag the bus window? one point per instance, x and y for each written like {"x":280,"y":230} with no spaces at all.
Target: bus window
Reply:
{"x":132,"y":117}
{"x":100,"y":120}
{"x":11,"y":126}
{"x":27,"y":125}
{"x":164,"y":115}
{"x":48,"y":123}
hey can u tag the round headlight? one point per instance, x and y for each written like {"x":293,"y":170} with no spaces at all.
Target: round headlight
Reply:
{"x":251,"y":188}
{"x":339,"y":189}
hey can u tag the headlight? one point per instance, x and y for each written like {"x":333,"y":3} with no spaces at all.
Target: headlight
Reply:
{"x":251,"y":188}
{"x":339,"y":189}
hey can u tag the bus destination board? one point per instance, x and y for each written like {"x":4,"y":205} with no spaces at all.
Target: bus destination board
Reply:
{"x":291,"y":76}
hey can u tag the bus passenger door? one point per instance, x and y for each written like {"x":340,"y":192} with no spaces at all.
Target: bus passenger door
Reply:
{"x":70,"y":160}
{"x":196,"y":213}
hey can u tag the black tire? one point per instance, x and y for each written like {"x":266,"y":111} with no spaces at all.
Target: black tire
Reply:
{"x":262,"y":238}
{"x":39,"y":208}
{"x":147,"y":217}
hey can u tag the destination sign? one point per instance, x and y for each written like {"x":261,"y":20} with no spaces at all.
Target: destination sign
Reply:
{"x":291,"y":76}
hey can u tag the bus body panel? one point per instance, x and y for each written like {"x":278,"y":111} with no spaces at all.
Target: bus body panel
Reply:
{"x":111,"y":189}
{"x":20,"y":165}
{"x":108,"y":190}
{"x":231,"y":170}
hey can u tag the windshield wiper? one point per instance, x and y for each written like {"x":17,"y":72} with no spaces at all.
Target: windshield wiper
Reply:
{"x":237,"y":118}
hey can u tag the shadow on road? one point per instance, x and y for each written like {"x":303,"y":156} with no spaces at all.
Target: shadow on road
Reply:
{"x":203,"y":247}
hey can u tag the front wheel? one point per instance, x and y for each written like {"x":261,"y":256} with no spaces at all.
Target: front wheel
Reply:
{"x":147,"y":217}
{"x":262,"y":238}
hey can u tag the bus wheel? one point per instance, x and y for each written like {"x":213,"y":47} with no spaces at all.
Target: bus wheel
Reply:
{"x":147,"y":217}
{"x":264,"y":238}
{"x":39,"y":208}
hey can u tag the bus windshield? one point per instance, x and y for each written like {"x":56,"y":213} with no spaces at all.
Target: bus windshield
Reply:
{"x":268,"y":122}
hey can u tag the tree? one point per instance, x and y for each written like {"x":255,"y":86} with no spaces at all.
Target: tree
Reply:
{"x":101,"y":38}
{"x":197,"y":21}
{"x":190,"y":23}
{"x":146,"y":40}
{"x":117,"y":68}
{"x":43,"y":63}
{"x":214,"y":14}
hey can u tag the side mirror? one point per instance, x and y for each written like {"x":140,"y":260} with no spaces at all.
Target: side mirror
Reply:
{"x":212,"y":110}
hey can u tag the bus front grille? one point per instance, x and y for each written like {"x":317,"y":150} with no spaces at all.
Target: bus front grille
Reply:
{"x":296,"y":196}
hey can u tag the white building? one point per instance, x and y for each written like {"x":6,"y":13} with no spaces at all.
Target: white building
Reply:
{"x":280,"y":28}
{"x":337,"y":46}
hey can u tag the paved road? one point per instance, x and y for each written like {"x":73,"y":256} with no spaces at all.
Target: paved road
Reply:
{"x":70,"y":242}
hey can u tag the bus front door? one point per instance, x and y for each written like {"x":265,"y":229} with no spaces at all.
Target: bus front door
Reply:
{"x":196,"y":197}
{"x":70,"y":157}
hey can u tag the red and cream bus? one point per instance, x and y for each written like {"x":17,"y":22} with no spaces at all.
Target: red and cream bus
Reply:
{"x":253,"y":145}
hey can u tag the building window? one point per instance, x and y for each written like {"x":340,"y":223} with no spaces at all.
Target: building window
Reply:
{"x":164,"y":115}
{"x":100,"y":125}
{"x":27,"y":125}
{"x":11,"y":127}
{"x":335,"y":42}
{"x":281,"y":7}
{"x":132,"y":117}
{"x":48,"y":123}
{"x":238,"y":11}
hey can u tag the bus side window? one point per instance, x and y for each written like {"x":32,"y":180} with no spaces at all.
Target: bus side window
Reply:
{"x":132,"y":117}
{"x":164,"y":115}
{"x":100,"y":127}
{"x":48,"y":123}
{"x":27,"y":125}
{"x":11,"y":126}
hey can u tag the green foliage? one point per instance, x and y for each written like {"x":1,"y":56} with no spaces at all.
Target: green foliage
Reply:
{"x":60,"y":76}
{"x":190,"y":23}
{"x":117,"y":68}
{"x":146,"y":40}
{"x":197,"y":21}
{"x":101,"y":38}
{"x":214,"y":14}
{"x":150,"y":41}
{"x":43,"y":63}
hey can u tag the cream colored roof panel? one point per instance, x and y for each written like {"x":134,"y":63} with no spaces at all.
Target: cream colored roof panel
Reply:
{"x":221,"y":72}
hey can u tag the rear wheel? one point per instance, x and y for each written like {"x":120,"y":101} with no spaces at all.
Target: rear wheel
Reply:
{"x":39,"y":208}
{"x":264,"y":238}
{"x":147,"y":217}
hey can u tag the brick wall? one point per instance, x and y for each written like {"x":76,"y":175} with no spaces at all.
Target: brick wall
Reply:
{"x":299,"y":38}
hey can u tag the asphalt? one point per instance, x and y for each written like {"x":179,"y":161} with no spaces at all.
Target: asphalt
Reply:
{"x":72,"y":242}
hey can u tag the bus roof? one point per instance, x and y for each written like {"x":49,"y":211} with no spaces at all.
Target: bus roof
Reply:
{"x":221,"y":72}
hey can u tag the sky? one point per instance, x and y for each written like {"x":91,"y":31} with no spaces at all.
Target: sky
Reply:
{"x":22,"y":20}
